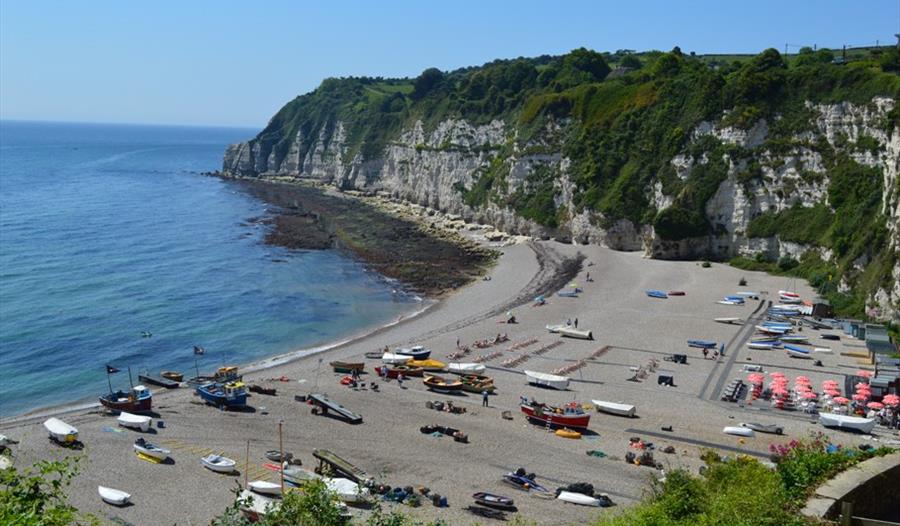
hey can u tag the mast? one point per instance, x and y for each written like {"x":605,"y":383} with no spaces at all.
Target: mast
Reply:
{"x":108,"y":381}
{"x":281,"y":452}
{"x":130,"y":382}
{"x":247,"y":465}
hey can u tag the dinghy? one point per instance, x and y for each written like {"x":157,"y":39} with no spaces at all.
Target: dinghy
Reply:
{"x":729,"y":302}
{"x":676,"y":293}
{"x":218,"y":463}
{"x":702,"y":344}
{"x":142,"y":447}
{"x":346,"y":490}
{"x":764,"y":346}
{"x":739,"y":299}
{"x":442,"y":385}
{"x":856,"y":423}
{"x":477,"y":383}
{"x":572,"y":332}
{"x":824,"y":350}
{"x":428,"y":365}
{"x":727,"y":320}
{"x":739,"y":431}
{"x":793,"y":339}
{"x":614,"y":408}
{"x":547,"y":380}
{"x":347,"y":367}
{"x":397,"y":370}
{"x":264,"y":487}
{"x":577,"y":498}
{"x":394,"y":359}
{"x":466,"y":368}
{"x":60,"y":431}
{"x":134,"y":421}
{"x":797,"y":352}
{"x":657,"y":294}
{"x":765,"y":428}
{"x":555,"y":328}
{"x":775,"y":331}
{"x":494,"y":501}
{"x":299,"y":476}
{"x":523,"y":482}
{"x":747,"y":294}
{"x":113,"y":496}
{"x":416,"y":353}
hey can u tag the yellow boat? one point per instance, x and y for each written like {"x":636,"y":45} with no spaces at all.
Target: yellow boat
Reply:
{"x":428,"y":365}
{"x":567,"y":433}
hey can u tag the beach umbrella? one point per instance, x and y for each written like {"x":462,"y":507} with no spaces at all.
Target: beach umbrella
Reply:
{"x":779,"y":391}
{"x":867,"y":374}
{"x":776,"y":374}
{"x":891,"y":399}
{"x":860,"y":397}
{"x":875,"y":405}
{"x":832,"y":392}
{"x":862,"y":385}
{"x":804,"y":388}
{"x":808,"y":395}
{"x":801,"y":379}
{"x":841,"y":400}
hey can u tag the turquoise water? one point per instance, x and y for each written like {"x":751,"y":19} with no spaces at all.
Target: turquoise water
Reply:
{"x":109,"y":230}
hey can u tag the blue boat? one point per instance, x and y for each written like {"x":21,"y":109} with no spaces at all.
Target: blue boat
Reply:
{"x":737,"y":299}
{"x":702,"y":344}
{"x":416,"y":353}
{"x":523,"y":482}
{"x":797,"y":352}
{"x":657,"y":294}
{"x":232,"y":394}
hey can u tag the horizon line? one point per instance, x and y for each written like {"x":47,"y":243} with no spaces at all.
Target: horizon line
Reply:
{"x":121,"y":123}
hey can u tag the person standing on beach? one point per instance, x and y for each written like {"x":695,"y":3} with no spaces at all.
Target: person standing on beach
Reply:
{"x":400,"y":380}
{"x":705,"y":353}
{"x":457,"y":343}
{"x":576,"y":323}
{"x":484,"y":398}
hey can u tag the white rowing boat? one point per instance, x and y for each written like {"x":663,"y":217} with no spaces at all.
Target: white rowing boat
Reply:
{"x":578,"y":498}
{"x":60,"y":431}
{"x":727,"y":320}
{"x":134,"y":421}
{"x":218,"y":463}
{"x":572,"y":332}
{"x":466,"y":368}
{"x":824,"y":350}
{"x":614,"y":408}
{"x":730,"y":302}
{"x":548,"y":380}
{"x":764,"y":346}
{"x":739,"y":431}
{"x":555,"y":328}
{"x":394,"y":359}
{"x":145,"y":448}
{"x":264,"y":487}
{"x":112,"y":496}
{"x":856,"y":423}
{"x":346,"y":490}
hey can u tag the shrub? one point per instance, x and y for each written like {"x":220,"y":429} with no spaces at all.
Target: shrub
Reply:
{"x":36,"y":496}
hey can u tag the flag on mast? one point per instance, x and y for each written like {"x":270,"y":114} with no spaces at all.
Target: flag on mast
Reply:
{"x":198,"y":350}
{"x":110,"y":369}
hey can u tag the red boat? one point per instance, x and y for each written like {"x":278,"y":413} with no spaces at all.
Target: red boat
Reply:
{"x":394,"y":372}
{"x":137,"y":401}
{"x":571,"y":415}
{"x":676,"y":293}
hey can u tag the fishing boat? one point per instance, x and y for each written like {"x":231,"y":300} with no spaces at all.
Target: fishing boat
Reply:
{"x":523,"y":482}
{"x":60,"y":431}
{"x":175,"y":376}
{"x":218,"y":463}
{"x":416,"y":353}
{"x":727,"y":320}
{"x":547,"y":380}
{"x":578,"y":498}
{"x":442,"y":385}
{"x":764,"y":428}
{"x":797,"y":352}
{"x":657,"y":294}
{"x":494,"y":501}
{"x":572,"y":332}
{"x":347,"y":367}
{"x":394,"y":359}
{"x":134,"y":421}
{"x":397,"y":370}
{"x":228,"y":373}
{"x":112,"y":496}
{"x":466,"y":368}
{"x":476,"y":383}
{"x":264,"y":487}
{"x":571,"y":415}
{"x":763,"y":345}
{"x":702,"y":344}
{"x":614,"y":408}
{"x":138,"y":400}
{"x":428,"y":365}
{"x":143,"y":447}
{"x":739,"y":431}
{"x":855,"y":423}
{"x":232,"y":394}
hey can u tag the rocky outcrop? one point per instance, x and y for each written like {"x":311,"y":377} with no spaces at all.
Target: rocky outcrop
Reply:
{"x":435,"y":167}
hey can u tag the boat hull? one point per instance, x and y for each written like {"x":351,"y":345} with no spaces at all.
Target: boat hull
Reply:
{"x":60,"y":431}
{"x":613,"y":408}
{"x":571,"y":332}
{"x":134,"y":421}
{"x":577,"y":498}
{"x":738,"y":431}
{"x":560,"y":383}
{"x":854,"y":423}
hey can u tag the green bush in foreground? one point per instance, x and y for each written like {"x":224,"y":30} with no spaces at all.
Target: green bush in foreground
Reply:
{"x":36,"y":495}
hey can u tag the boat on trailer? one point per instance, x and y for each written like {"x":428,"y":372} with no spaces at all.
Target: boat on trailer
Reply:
{"x":571,"y":415}
{"x":547,"y":380}
{"x":854,"y":423}
{"x":614,"y":408}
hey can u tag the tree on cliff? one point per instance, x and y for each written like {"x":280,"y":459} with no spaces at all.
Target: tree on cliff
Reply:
{"x":426,"y":82}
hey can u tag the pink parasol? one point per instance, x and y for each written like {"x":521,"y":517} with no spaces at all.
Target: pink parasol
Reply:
{"x":891,"y":399}
{"x":831,"y":382}
{"x":875,"y":405}
{"x":860,"y":397}
{"x":776,"y":374}
{"x":867,"y":374}
{"x":861,"y":385}
{"x":808,"y":395}
{"x":802,"y":387}
{"x":841,"y":400}
{"x":801,"y":379}
{"x":832,"y":392}
{"x":779,"y":391}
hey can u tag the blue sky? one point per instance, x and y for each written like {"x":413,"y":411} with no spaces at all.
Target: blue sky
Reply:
{"x":236,"y":63}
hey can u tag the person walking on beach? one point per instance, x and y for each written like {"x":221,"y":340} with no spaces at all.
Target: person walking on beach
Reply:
{"x":576,"y":323}
{"x":400,"y":380}
{"x":457,"y":343}
{"x":484,"y":398}
{"x":705,"y":354}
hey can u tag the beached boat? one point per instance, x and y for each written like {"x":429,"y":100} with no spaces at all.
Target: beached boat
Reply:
{"x":572,"y":332}
{"x":134,"y":421}
{"x":299,"y":476}
{"x":175,"y":376}
{"x":747,"y":294}
{"x":397,"y":370}
{"x":442,"y":385}
{"x":138,"y":400}
{"x":232,"y":394}
{"x":255,"y":506}
{"x":793,"y":338}
{"x":547,"y":380}
{"x":428,"y":365}
{"x":657,"y":294}
{"x":764,"y":428}
{"x":143,"y":447}
{"x":228,"y":373}
{"x":788,"y":293}
{"x":555,"y":328}
{"x":264,"y":487}
{"x":394,"y":359}
{"x":60,"y":431}
{"x":494,"y":501}
{"x":113,"y":496}
{"x":523,"y":482}
{"x":346,"y":490}
{"x":824,"y":350}
{"x":775,"y":331}
{"x":416,"y":353}
{"x":161,"y":381}
{"x":614,"y":408}
{"x":676,"y":293}
{"x":702,"y":344}
{"x":729,"y":302}
{"x":797,"y":352}
{"x":739,"y":299}
{"x":855,"y":423}
{"x":789,"y":300}
{"x":567,"y":294}
{"x":739,"y":431}
{"x":476,"y":383}
{"x":568,"y":433}
{"x":577,"y":498}
{"x":763,"y":346}
{"x":347,"y":367}
{"x":571,"y":415}
{"x":218,"y":463}
{"x":727,"y":320}
{"x":466,"y":368}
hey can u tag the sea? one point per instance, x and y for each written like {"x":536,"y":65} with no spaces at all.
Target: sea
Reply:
{"x":115,"y":250}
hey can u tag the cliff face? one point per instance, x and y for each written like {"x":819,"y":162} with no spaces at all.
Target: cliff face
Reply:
{"x":766,"y":180}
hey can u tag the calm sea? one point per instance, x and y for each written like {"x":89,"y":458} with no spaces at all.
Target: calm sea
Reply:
{"x":107,"y":231}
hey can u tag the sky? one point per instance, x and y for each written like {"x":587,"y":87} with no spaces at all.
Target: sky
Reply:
{"x":230,"y":63}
